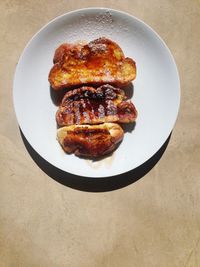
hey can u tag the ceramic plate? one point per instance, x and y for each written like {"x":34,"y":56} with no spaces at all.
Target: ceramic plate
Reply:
{"x":156,"y":92}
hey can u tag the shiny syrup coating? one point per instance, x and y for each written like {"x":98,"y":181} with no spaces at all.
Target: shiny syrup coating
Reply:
{"x":87,"y":105}
{"x":92,"y":142}
{"x":98,"y":62}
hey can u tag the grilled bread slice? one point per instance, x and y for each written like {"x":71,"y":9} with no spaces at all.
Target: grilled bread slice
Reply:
{"x":90,"y":141}
{"x":88,"y":105}
{"x":98,"y":62}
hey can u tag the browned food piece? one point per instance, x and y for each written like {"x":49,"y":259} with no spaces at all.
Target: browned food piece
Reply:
{"x":98,"y":62}
{"x":90,"y":140}
{"x":87,"y":105}
{"x":65,"y":49}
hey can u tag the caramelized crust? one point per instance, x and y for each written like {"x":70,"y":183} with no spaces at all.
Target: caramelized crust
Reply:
{"x":100,"y":61}
{"x":90,"y":140}
{"x":87,"y":105}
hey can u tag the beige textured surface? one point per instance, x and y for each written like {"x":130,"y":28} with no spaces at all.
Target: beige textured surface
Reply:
{"x":154,"y":222}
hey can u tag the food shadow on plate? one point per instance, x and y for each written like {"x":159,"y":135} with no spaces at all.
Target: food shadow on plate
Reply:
{"x":128,"y":127}
{"x":57,"y":95}
{"x":129,"y":90}
{"x":91,"y":184}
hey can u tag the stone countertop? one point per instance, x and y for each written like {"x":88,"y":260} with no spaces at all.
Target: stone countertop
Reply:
{"x":154,"y":221}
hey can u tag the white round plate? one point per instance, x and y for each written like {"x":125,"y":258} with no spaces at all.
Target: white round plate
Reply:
{"x":156,"y":89}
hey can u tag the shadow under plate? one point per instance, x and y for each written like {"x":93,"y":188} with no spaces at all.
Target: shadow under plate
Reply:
{"x":91,"y":184}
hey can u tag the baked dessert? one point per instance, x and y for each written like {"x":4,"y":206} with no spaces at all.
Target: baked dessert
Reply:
{"x":90,"y":140}
{"x":97,"y":62}
{"x":88,"y":105}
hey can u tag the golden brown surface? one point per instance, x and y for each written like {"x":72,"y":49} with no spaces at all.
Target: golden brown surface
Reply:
{"x":100,"y":61}
{"x":153,"y":222}
{"x":87,"y":105}
{"x":90,"y":140}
